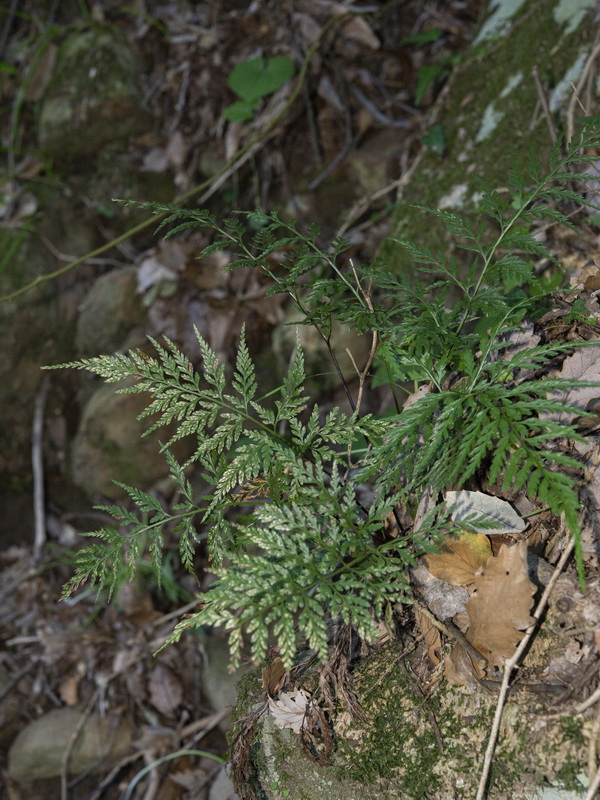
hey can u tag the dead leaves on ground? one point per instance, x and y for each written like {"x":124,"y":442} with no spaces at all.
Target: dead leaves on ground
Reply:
{"x":500,"y":591}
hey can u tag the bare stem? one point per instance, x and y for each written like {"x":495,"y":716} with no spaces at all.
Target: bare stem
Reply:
{"x":510,"y":665}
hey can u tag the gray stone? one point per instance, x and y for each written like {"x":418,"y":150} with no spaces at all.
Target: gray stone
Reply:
{"x":109,"y":313}
{"x":110,"y":446}
{"x":490,"y":113}
{"x":39,"y":749}
{"x":92,"y":98}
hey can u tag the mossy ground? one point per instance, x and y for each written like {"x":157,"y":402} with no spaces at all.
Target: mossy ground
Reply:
{"x":492,"y":121}
{"x":412,"y":747}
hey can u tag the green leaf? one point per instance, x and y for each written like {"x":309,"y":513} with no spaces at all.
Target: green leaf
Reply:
{"x":259,"y":77}
{"x":240,"y":111}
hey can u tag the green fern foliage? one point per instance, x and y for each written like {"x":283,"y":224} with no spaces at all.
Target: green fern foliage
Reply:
{"x":293,"y":543}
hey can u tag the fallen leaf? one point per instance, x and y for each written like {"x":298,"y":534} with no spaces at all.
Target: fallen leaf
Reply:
{"x":431,"y":636}
{"x":493,"y":515}
{"x":500,"y":604}
{"x":273,"y":675}
{"x":583,"y":366}
{"x":460,"y":666}
{"x":290,"y":710}
{"x":358,"y":29}
{"x":165,"y":690}
{"x":462,"y":556}
{"x":68,"y":691}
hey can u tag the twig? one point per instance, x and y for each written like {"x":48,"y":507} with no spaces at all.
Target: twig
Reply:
{"x":37,"y":464}
{"x":382,"y":118}
{"x":362,"y":205}
{"x":313,"y":128}
{"x":340,"y":156}
{"x":582,"y":79}
{"x":362,"y":374}
{"x":593,"y":698}
{"x":544,"y":101}
{"x":510,"y":665}
{"x":10,"y":18}
{"x":594,"y":786}
{"x":64,"y":764}
{"x":112,"y":775}
{"x":593,"y":748}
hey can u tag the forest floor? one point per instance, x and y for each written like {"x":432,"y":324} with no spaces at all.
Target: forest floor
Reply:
{"x":335,"y":157}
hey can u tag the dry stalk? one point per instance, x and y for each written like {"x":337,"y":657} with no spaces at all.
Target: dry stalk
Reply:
{"x":512,"y":663}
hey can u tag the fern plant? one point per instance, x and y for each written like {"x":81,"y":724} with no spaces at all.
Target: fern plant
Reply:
{"x":292,"y":543}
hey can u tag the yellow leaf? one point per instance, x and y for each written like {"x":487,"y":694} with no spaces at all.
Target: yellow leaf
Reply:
{"x":461,"y":558}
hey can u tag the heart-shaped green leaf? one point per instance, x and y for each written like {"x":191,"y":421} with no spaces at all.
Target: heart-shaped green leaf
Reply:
{"x":258,"y":77}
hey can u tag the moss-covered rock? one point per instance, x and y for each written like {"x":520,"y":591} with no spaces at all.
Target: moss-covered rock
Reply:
{"x":411,"y":746}
{"x":92,"y":98}
{"x":491,"y":118}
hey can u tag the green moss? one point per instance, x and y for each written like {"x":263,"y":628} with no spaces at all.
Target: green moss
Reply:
{"x":249,"y":691}
{"x":573,"y":731}
{"x":488,"y":124}
{"x":399,"y":740}
{"x":572,"y":767}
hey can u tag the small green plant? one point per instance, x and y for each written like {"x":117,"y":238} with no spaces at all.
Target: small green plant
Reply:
{"x":293,"y":541}
{"x":252,"y":80}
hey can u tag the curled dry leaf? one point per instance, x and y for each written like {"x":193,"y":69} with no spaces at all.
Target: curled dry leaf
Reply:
{"x":431,"y":636}
{"x":583,"y":366}
{"x":290,"y":710}
{"x":499,"y":613}
{"x":273,"y":676}
{"x":500,"y":604}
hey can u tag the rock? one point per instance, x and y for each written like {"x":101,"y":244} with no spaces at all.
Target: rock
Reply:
{"x":109,"y":313}
{"x":409,"y":747}
{"x":109,"y":445}
{"x":222,"y":788}
{"x":92,"y":98}
{"x":219,"y":685}
{"x":39,"y":749}
{"x":10,"y":711}
{"x":485,"y":118}
{"x":320,"y":369}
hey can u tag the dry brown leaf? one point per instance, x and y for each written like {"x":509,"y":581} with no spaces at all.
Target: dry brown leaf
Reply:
{"x":460,"y":667}
{"x":165,"y":690}
{"x":590,"y":276}
{"x":68,"y":691}
{"x":290,"y":710}
{"x":358,"y":29}
{"x":462,"y":556}
{"x":431,"y":636}
{"x":272,"y":676}
{"x":583,"y":365}
{"x":499,"y":607}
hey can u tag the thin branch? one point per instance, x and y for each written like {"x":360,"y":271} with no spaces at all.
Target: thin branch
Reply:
{"x":64,"y":764}
{"x":510,"y":665}
{"x":594,"y":786}
{"x":544,"y":101}
{"x":37,"y":465}
{"x":593,"y":698}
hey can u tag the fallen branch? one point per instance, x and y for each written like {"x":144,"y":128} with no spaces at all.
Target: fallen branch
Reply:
{"x":512,"y":663}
